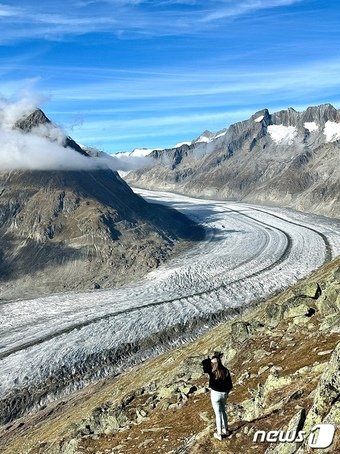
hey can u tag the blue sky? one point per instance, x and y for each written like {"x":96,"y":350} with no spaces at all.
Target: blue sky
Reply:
{"x":120,"y":74}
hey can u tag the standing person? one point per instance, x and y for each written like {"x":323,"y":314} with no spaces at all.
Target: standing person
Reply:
{"x":220,"y":385}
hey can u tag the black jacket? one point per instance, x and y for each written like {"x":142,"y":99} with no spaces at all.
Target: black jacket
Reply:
{"x":222,"y":385}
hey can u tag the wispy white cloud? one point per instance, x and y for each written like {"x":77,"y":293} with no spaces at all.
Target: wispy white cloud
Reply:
{"x":120,"y":17}
{"x":215,"y":81}
{"x":9,"y":11}
{"x":117,"y":105}
{"x":235,"y":9}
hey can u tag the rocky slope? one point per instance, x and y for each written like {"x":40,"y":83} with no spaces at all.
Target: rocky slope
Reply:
{"x":78,"y":229}
{"x":286,"y":158}
{"x":284,"y":356}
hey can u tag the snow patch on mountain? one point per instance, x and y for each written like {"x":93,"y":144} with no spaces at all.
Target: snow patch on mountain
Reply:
{"x":282,"y":134}
{"x":180,"y":144}
{"x":332,"y":131}
{"x":136,"y":153}
{"x":203,"y":139}
{"x":258,"y":119}
{"x":220,"y":135}
{"x":311,"y":126}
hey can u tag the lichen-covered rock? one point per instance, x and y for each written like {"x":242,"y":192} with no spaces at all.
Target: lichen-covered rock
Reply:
{"x":295,"y":307}
{"x":192,"y":367}
{"x":166,"y":392}
{"x":274,"y":312}
{"x":308,"y":290}
{"x":275,"y":381}
{"x":295,"y":424}
{"x":331,"y":324}
{"x":240,"y":331}
{"x":326,"y":407}
{"x":336,"y":274}
{"x":252,"y":408}
{"x":329,"y":302}
{"x":259,"y":354}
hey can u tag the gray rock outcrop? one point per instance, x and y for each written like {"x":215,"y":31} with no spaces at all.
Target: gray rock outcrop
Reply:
{"x":77,"y":229}
{"x":287,"y":158}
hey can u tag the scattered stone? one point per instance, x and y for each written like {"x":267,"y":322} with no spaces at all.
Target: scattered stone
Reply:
{"x":141,"y":413}
{"x":262,"y":370}
{"x":165,"y":392}
{"x":259,"y":354}
{"x":325,"y":352}
{"x":202,"y":390}
{"x":204,"y":416}
{"x":145,"y":443}
{"x":274,"y":381}
{"x":273,"y":345}
{"x":188,"y":389}
{"x":245,"y":376}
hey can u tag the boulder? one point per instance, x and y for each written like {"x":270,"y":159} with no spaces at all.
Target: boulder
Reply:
{"x":336,"y":274}
{"x":252,"y":408}
{"x":295,"y":424}
{"x":230,"y":354}
{"x":331,"y":324}
{"x":275,"y":381}
{"x":187,"y":389}
{"x":240,"y":331}
{"x":191,"y":367}
{"x":327,"y":392}
{"x":165,"y":392}
{"x":296,"y":307}
{"x":274,"y":313}
{"x":329,"y":303}
{"x":308,"y":290}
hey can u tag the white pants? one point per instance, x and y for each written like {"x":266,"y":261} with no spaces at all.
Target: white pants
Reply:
{"x":218,"y":400}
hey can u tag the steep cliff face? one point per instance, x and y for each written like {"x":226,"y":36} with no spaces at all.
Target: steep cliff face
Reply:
{"x":287,"y":157}
{"x":77,"y":229}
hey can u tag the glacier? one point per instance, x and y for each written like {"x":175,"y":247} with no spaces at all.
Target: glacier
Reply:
{"x":54,"y":345}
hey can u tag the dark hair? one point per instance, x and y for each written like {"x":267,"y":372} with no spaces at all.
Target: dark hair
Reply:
{"x":221,"y":372}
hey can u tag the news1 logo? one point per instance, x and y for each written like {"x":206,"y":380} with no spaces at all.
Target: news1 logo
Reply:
{"x":321,"y":436}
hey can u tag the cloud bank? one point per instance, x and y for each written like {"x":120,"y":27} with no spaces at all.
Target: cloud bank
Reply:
{"x":42,"y":148}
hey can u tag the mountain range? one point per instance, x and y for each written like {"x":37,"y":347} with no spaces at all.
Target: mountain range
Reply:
{"x":78,"y":229}
{"x":285,"y":158}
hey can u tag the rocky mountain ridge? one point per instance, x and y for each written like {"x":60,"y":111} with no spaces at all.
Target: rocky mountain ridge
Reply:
{"x":284,"y":358}
{"x":77,"y":229}
{"x":286,"y":158}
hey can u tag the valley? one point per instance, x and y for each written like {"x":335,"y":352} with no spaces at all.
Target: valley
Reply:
{"x":52,"y":346}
